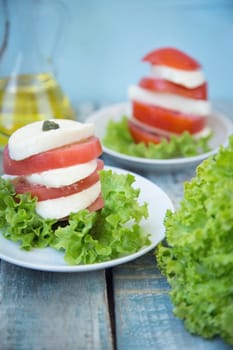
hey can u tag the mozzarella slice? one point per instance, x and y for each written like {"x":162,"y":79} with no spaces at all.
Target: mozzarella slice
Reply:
{"x":204,"y":132}
{"x":31,"y":139}
{"x":189,"y":79}
{"x":63,"y":176}
{"x":59,"y":208}
{"x":150,"y":128}
{"x":170,"y":101}
{"x":60,"y":177}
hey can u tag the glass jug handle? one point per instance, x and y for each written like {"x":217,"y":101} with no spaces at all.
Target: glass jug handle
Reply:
{"x":6,"y":29}
{"x":54,"y":16}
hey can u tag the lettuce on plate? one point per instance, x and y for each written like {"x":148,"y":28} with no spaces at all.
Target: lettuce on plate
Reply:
{"x":87,"y":237}
{"x":197,"y":256}
{"x":118,"y":138}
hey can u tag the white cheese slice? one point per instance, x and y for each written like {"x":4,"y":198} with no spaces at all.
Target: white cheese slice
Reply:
{"x":59,"y":208}
{"x":59,"y":177}
{"x":170,"y":101}
{"x":204,"y":132}
{"x":189,"y":79}
{"x":31,"y":139}
{"x":63,"y":176}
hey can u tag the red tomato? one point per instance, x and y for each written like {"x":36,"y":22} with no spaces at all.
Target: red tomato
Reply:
{"x":44,"y":193}
{"x":161,"y":85}
{"x":61,"y":157}
{"x":97,"y":204}
{"x":166,"y":119}
{"x":173,"y":58}
{"x":141,"y":135}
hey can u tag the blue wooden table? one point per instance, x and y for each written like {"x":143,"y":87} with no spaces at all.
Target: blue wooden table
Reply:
{"x":126,"y":307}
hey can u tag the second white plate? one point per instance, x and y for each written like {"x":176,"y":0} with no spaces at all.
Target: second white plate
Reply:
{"x":221,"y":126}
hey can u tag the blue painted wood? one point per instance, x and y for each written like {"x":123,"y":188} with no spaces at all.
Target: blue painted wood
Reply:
{"x":108,"y":39}
{"x":53,"y":311}
{"x":144,"y":317}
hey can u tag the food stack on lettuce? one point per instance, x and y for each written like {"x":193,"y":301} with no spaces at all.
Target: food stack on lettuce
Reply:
{"x":197,"y":256}
{"x":57,"y":163}
{"x":169,"y":110}
{"x":56,"y":193}
{"x":171,"y":100}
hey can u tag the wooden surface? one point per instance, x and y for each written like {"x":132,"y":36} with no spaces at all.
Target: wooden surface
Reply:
{"x":126,"y":307}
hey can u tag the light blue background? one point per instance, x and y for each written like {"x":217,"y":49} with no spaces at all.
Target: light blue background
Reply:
{"x":104,"y":41}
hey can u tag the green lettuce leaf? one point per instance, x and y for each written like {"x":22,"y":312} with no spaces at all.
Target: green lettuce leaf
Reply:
{"x":87,"y":237}
{"x":118,"y":138}
{"x":197,"y":256}
{"x":19,"y":221}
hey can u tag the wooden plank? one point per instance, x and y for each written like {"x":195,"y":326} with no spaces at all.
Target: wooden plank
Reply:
{"x":43,"y":310}
{"x":143,"y":311}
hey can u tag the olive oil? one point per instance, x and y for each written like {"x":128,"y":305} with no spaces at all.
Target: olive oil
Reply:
{"x":30,"y":97}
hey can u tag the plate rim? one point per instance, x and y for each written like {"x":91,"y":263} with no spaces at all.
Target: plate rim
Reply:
{"x":162,"y":162}
{"x":95,"y":266}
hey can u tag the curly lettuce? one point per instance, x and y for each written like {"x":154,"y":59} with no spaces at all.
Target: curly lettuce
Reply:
{"x":197,"y":256}
{"x":119,"y":139}
{"x":87,"y":237}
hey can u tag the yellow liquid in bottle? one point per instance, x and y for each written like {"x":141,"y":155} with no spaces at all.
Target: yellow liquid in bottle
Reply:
{"x":28,"y":98}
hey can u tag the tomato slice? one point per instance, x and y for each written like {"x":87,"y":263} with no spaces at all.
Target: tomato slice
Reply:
{"x":166,"y":119}
{"x":44,"y":193}
{"x":142,"y":135}
{"x":97,"y":204}
{"x":173,"y":58}
{"x":61,"y":157}
{"x":162,"y":85}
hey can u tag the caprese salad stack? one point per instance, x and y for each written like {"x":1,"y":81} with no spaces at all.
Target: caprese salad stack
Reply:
{"x":56,"y":161}
{"x":171,"y":100}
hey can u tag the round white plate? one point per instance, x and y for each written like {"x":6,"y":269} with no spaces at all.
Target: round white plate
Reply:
{"x":221,"y":126}
{"x":48,"y":259}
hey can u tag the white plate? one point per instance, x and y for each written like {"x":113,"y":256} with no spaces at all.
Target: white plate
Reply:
{"x":48,"y":259}
{"x":221,"y":126}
